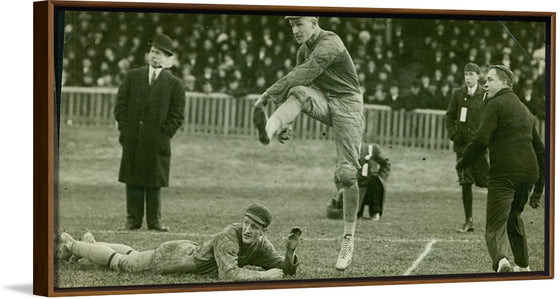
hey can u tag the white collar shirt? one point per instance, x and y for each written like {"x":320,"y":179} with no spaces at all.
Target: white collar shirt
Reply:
{"x":472,"y":90}
{"x":151,"y":72}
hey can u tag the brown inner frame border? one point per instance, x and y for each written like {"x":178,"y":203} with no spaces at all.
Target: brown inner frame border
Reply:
{"x":43,"y":149}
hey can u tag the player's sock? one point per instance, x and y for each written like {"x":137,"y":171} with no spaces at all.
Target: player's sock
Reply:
{"x":283,"y":116}
{"x":350,"y":198}
{"x":467,"y":200}
{"x":272,"y":126}
{"x":120,"y":248}
{"x":96,"y":253}
{"x":349,"y":227}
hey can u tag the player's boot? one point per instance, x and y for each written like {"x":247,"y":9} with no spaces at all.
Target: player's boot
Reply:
{"x":521,"y":269}
{"x":88,"y":238}
{"x":346,"y":250}
{"x":468,"y":227}
{"x":65,"y":242}
{"x":259,"y":120}
{"x":504,"y":266}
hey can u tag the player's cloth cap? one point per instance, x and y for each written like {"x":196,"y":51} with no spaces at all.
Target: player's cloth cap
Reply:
{"x":259,"y":213}
{"x":472,"y":67}
{"x":299,"y":17}
{"x":162,"y":42}
{"x":504,"y":69}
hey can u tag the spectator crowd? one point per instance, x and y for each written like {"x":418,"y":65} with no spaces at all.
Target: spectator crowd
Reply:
{"x":402,"y":63}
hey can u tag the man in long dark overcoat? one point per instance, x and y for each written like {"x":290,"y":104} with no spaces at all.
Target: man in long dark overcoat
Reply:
{"x":149,"y":110}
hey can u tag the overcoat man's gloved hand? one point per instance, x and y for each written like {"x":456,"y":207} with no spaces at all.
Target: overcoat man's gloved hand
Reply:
{"x":535,"y":199}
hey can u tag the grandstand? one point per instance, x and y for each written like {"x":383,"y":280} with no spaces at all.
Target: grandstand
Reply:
{"x":241,"y":54}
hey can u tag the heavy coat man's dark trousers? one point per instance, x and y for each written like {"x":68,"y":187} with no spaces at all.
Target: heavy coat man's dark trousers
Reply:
{"x":135,"y":196}
{"x":506,"y":199}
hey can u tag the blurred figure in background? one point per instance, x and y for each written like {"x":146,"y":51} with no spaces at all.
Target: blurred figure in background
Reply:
{"x":534,"y":103}
{"x":414,"y":99}
{"x":393,"y":97}
{"x":442,"y":97}
{"x":374,"y":172}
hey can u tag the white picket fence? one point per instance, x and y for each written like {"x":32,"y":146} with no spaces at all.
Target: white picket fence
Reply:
{"x":221,"y":114}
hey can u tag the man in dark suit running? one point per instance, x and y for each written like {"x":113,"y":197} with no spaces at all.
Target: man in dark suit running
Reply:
{"x":149,"y":110}
{"x":517,"y":168}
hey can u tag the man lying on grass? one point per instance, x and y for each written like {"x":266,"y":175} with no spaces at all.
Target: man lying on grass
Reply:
{"x":226,"y":253}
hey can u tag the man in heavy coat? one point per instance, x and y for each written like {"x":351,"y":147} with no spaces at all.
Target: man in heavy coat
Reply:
{"x":517,"y":168}
{"x":149,"y":110}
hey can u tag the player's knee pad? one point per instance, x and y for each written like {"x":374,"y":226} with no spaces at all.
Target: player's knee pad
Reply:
{"x":347,"y":174}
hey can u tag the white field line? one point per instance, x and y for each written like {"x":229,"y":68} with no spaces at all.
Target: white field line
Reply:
{"x":420,"y":258}
{"x":202,"y":235}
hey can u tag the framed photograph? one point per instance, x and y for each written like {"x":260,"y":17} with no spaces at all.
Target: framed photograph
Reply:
{"x":196,"y":147}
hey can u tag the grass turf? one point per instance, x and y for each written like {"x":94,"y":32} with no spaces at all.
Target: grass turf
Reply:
{"x":214,"y":177}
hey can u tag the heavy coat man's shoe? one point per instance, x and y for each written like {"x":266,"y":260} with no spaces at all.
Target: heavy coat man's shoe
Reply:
{"x":159,"y":228}
{"x":129,"y":226}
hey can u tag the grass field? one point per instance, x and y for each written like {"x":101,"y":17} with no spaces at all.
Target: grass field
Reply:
{"x":214,"y":177}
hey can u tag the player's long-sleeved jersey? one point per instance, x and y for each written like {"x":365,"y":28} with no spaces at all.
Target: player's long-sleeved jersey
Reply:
{"x":226,"y":253}
{"x":323,"y":62}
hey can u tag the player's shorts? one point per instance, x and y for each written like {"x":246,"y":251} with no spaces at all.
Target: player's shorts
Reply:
{"x":343,"y":114}
{"x":175,"y":256}
{"x":476,"y":173}
{"x":348,"y":125}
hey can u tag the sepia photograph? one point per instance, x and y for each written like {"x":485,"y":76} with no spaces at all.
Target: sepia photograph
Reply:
{"x":220,"y":147}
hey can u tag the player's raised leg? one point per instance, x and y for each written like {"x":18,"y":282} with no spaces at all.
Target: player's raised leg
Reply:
{"x":300,"y":99}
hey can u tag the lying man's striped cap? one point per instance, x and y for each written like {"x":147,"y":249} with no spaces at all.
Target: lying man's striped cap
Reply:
{"x":259,"y":213}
